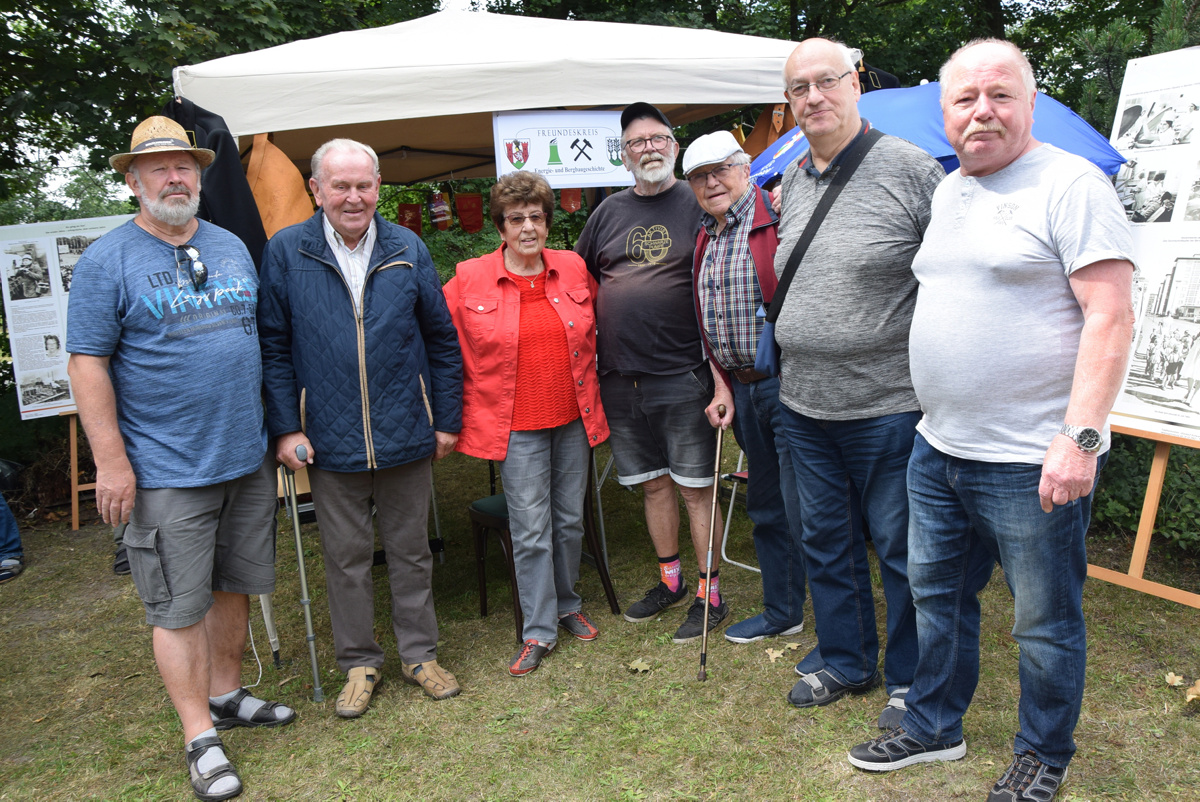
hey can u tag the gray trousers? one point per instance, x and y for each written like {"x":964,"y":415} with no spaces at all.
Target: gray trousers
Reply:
{"x":343,"y":506}
{"x":545,"y":479}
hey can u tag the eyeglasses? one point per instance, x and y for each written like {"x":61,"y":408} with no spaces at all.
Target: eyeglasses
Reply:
{"x":719,"y":172}
{"x":195,"y":268}
{"x":518,"y":220}
{"x":826,"y":85}
{"x":659,"y":141}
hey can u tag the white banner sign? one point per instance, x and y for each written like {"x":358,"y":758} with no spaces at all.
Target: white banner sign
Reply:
{"x":37,"y":261}
{"x":567,"y":148}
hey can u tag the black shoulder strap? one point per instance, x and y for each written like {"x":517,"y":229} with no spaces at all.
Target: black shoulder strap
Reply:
{"x":845,"y":169}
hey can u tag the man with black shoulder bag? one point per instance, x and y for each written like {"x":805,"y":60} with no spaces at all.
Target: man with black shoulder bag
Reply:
{"x":854,"y":211}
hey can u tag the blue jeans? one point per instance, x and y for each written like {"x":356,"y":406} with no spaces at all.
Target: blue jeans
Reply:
{"x":545,"y":481}
{"x":10,"y":538}
{"x":771,"y":500}
{"x":965,"y":517}
{"x":847,"y":471}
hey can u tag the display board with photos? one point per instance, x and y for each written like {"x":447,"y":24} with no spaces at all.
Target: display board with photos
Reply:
{"x":1157,"y":129}
{"x":37,"y":261}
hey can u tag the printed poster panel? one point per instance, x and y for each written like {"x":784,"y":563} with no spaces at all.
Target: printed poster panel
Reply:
{"x":567,"y":148}
{"x":1159,"y":186}
{"x":38,"y":261}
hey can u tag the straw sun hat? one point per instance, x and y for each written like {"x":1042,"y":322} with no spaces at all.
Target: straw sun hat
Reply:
{"x":159,"y":135}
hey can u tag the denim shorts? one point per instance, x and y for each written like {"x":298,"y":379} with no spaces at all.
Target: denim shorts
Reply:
{"x":657,"y":426}
{"x":184,"y":543}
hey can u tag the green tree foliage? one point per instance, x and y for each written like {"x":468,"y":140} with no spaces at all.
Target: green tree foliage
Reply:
{"x":1122,"y":489}
{"x":1106,"y":50}
{"x":1079,"y":49}
{"x":82,"y":72}
{"x":1177,"y":26}
{"x":82,"y":193}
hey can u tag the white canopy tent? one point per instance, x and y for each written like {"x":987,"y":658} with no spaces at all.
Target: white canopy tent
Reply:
{"x":422,"y":92}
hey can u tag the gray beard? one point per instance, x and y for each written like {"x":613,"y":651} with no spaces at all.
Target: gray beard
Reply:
{"x":173,"y":213}
{"x":656,"y":174}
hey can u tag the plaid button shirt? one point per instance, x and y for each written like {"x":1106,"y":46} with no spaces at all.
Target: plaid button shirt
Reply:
{"x":728,"y":285}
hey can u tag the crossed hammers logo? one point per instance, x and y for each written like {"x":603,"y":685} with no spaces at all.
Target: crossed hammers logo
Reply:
{"x":582,"y":146}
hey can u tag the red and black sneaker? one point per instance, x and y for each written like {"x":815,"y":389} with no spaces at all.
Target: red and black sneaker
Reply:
{"x":529,"y":657}
{"x":579,"y":625}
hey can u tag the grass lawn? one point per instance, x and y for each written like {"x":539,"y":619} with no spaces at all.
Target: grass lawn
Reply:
{"x":86,"y":716}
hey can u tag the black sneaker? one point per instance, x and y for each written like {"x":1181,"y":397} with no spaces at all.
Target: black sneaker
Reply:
{"x":657,"y":599}
{"x":896,"y":749}
{"x":1028,"y":779}
{"x":693,"y":627}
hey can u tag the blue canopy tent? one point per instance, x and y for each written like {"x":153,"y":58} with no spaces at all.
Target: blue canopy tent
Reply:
{"x":915,"y":114}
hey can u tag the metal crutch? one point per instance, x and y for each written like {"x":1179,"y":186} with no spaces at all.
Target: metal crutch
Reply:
{"x":289,"y":484}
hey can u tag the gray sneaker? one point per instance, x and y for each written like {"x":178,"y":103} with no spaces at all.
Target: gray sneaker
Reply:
{"x":1028,"y":779}
{"x":896,"y":749}
{"x":10,"y":568}
{"x":693,"y":627}
{"x":657,"y":599}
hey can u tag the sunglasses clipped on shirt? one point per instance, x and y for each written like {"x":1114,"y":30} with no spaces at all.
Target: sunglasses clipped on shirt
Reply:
{"x":196,"y":269}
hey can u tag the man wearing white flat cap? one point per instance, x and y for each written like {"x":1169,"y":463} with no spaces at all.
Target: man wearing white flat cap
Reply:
{"x":733,"y":275}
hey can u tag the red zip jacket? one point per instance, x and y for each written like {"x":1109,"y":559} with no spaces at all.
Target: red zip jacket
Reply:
{"x":485,"y":305}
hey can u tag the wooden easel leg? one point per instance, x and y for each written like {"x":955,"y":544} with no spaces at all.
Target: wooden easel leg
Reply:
{"x":1158,"y":473}
{"x":74,"y":472}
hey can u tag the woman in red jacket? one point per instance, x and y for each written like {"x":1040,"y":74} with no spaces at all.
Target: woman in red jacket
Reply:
{"x":531,"y":401}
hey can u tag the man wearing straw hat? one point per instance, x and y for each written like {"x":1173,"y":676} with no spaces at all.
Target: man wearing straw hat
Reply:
{"x":167,"y":376}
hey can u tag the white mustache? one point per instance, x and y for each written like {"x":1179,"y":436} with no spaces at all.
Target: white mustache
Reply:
{"x":984,"y":128}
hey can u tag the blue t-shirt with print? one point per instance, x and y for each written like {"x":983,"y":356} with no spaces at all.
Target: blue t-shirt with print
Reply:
{"x":185,"y":364}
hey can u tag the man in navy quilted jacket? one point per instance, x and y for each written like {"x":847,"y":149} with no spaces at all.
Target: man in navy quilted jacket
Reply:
{"x":362,"y":368}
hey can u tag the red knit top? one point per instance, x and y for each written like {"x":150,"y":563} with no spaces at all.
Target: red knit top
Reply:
{"x":544,"y":396}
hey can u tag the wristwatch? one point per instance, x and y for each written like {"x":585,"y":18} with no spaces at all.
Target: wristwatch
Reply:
{"x":1087,"y":438}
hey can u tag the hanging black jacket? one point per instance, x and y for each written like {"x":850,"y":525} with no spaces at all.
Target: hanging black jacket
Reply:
{"x":225,"y":197}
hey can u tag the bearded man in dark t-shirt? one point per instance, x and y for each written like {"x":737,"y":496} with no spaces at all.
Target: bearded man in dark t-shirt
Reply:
{"x":654,"y":382}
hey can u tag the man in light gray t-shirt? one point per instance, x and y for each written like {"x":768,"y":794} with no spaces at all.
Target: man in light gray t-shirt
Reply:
{"x":847,"y":409}
{"x":1019,"y":344}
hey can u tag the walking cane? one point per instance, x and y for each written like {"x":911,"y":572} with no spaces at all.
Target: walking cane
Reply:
{"x":289,"y":483}
{"x":712,"y":525}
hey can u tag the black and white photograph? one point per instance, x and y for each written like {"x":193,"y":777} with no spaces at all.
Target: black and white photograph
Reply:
{"x":1146,"y":186}
{"x":69,"y":251}
{"x":44,"y":387}
{"x":1163,"y":382}
{"x":26,"y":271}
{"x":1191,"y":212}
{"x":1158,"y":119}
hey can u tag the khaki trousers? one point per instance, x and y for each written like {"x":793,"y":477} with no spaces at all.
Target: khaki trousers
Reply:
{"x":343,"y":507}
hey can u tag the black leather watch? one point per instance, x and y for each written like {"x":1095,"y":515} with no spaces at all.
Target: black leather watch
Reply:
{"x":1087,"y":438}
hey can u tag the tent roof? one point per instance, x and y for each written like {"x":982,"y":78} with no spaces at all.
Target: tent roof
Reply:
{"x":422,"y":92}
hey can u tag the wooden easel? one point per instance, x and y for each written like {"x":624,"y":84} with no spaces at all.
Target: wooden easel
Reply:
{"x":1141,"y":546}
{"x":76,"y":488}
